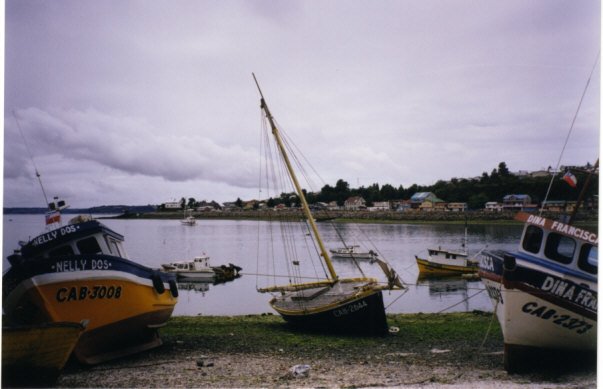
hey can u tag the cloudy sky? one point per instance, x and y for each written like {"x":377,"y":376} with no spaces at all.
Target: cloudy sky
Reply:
{"x":142,"y":102}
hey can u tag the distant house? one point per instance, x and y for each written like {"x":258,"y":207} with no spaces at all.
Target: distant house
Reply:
{"x":418,"y":198}
{"x":518,"y":202}
{"x":354,"y":203}
{"x":457,"y":207}
{"x":332,"y":206}
{"x":230,"y":206}
{"x":205,"y":206}
{"x":251,"y":204}
{"x":493,"y":206}
{"x":172,"y":205}
{"x":380,"y":206}
{"x":554,"y":205}
{"x":431,"y":205}
{"x":401,"y":205}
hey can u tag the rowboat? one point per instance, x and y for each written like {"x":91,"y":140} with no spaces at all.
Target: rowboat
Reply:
{"x":34,"y":355}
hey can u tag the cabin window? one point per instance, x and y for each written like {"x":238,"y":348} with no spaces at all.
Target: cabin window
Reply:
{"x":89,"y":246}
{"x":589,"y":259}
{"x":114,"y":247}
{"x":532,"y":239}
{"x":59,"y":251}
{"x":560,"y":248}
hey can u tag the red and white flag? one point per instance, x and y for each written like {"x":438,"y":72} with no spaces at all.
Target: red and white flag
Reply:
{"x":53,"y":217}
{"x":570,"y":179}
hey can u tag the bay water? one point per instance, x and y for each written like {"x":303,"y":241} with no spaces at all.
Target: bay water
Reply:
{"x":241,"y":242}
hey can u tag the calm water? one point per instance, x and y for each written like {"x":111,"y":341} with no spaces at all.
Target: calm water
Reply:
{"x":153,"y":242}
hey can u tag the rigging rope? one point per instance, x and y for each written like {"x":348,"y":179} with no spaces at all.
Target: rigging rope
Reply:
{"x":548,"y":191}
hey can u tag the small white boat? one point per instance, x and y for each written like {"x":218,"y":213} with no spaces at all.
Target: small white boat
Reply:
{"x":197,"y":269}
{"x":353,"y":252}
{"x":190,"y":219}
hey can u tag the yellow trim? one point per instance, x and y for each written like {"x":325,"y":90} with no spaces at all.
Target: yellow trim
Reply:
{"x":426,"y":267}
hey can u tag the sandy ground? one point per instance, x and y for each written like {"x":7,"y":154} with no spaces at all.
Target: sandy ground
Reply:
{"x":177,"y":367}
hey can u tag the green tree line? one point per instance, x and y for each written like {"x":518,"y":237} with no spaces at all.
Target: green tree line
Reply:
{"x":475,"y":192}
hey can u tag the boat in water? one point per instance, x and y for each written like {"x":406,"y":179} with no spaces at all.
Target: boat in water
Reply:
{"x":440,"y":262}
{"x":327,"y":303}
{"x":199,"y":269}
{"x":444,"y":263}
{"x":188,"y":219}
{"x":34,"y":355}
{"x":353,"y":251}
{"x":80,"y":271}
{"x":544,"y":293}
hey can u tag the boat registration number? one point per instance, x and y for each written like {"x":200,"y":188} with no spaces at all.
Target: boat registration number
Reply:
{"x":75,"y":293}
{"x":565,"y":321}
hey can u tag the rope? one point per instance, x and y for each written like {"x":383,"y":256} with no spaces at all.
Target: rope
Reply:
{"x":462,"y":301}
{"x":548,"y":191}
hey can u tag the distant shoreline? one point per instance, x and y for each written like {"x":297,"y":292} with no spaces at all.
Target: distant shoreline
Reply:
{"x":381,"y":217}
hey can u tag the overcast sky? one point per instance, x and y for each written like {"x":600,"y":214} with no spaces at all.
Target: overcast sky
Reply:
{"x":142,"y":102}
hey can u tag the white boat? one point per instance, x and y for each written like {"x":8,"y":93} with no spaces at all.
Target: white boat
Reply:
{"x":353,"y":252}
{"x":190,"y":219}
{"x":197,"y":269}
{"x":544,"y":293}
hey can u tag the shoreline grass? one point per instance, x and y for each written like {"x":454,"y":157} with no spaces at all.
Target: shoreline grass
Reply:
{"x":268,"y":333}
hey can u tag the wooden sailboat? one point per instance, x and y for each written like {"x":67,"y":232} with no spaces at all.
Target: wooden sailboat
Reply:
{"x":333,"y":304}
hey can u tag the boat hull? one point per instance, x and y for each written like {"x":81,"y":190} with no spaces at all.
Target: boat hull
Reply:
{"x":123,"y":302}
{"x":538,"y":308}
{"x":430,"y":268}
{"x":203,"y":276}
{"x":35,"y":355}
{"x":361,"y":314}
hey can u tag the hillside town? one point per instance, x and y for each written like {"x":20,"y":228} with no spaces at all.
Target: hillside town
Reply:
{"x":484,"y":193}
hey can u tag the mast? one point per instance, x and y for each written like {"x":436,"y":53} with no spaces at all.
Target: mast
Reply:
{"x":300,"y":193}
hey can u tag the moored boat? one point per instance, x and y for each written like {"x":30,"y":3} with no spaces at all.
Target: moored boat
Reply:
{"x":199,"y":269}
{"x":80,"y":271}
{"x":441,"y":262}
{"x":544,"y":293}
{"x":330,"y":303}
{"x":34,"y":355}
{"x":188,"y":219}
{"x":196,"y":269}
{"x":352,"y":251}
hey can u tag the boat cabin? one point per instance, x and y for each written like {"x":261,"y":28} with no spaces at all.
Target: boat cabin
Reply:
{"x":89,"y":237}
{"x":574,"y":249}
{"x":197,"y":264}
{"x":445,"y":253}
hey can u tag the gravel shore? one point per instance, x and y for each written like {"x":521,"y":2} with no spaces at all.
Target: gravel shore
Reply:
{"x":261,"y":352}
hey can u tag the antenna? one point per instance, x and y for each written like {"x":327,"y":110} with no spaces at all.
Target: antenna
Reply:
{"x":31,"y":157}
